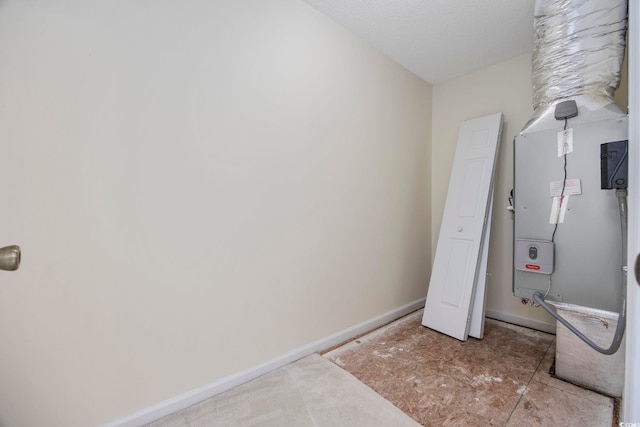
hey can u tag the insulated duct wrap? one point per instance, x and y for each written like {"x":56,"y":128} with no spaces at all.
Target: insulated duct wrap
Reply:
{"x":578,"y":49}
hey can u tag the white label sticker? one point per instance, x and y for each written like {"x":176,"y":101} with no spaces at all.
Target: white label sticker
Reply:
{"x":572,"y":187}
{"x":558,"y":209}
{"x":565,"y":142}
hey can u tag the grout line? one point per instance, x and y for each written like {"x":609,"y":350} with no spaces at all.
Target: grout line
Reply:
{"x":528,"y":383}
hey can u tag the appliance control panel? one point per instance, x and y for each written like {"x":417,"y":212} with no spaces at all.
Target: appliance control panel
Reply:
{"x":534,"y":256}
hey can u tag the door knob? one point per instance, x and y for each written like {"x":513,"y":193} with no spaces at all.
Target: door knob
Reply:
{"x":10,"y":258}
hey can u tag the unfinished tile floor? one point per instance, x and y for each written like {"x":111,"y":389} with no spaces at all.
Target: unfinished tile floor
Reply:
{"x":500,"y":380}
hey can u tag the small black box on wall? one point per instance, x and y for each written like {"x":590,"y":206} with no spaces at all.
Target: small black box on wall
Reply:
{"x":613,"y":165}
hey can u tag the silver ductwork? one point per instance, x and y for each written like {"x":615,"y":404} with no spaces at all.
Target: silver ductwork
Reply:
{"x":578,"y":52}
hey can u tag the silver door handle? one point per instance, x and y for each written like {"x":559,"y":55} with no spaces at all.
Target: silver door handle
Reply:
{"x":10,"y":258}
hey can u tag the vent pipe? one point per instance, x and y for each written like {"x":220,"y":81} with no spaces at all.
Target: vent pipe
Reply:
{"x":578,"y":51}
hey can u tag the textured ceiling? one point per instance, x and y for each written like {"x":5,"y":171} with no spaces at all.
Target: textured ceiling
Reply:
{"x":438,"y":39}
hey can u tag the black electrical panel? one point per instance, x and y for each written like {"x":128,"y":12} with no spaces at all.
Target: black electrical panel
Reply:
{"x":613,"y":165}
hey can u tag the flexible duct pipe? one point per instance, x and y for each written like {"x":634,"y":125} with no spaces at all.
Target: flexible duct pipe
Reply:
{"x":578,"y":49}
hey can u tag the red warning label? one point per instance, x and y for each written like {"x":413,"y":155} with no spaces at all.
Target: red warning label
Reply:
{"x":532,"y":267}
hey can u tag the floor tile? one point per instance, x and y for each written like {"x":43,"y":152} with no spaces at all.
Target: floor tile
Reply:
{"x":544,"y":405}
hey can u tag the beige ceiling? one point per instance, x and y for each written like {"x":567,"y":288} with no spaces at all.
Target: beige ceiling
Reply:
{"x":438,"y":39}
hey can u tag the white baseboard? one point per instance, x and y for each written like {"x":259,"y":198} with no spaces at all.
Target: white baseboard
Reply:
{"x":192,"y":397}
{"x":522,"y":321}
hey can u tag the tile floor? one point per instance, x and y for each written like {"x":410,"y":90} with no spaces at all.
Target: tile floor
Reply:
{"x":501,"y":380}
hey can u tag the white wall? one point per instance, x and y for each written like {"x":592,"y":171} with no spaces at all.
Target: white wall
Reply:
{"x":506,"y":88}
{"x":197,"y":187}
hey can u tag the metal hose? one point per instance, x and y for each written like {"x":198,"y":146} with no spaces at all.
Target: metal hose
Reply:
{"x":621,"y":194}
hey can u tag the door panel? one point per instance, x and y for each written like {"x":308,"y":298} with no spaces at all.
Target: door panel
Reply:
{"x":457,"y":260}
{"x":476,"y":328}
